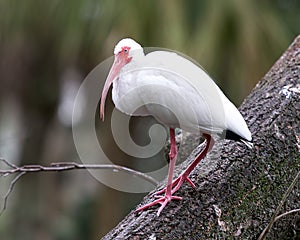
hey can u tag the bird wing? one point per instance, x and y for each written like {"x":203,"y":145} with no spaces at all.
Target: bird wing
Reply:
{"x":177,"y":92}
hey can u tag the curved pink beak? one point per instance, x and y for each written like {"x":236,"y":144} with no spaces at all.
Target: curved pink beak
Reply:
{"x":119,"y":62}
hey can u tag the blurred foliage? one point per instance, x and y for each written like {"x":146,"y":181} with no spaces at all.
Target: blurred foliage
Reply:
{"x":40,"y":41}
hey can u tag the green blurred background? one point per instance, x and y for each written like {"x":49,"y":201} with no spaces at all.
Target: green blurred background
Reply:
{"x":46,"y":50}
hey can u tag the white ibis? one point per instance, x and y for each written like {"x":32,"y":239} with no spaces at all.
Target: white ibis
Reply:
{"x":179,"y":94}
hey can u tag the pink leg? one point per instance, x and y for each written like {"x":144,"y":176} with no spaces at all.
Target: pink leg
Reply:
{"x":184,"y":176}
{"x":163,"y":200}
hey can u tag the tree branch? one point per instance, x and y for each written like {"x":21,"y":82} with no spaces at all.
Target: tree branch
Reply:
{"x":274,"y":216}
{"x":237,"y":189}
{"x":58,"y":167}
{"x":11,"y":187}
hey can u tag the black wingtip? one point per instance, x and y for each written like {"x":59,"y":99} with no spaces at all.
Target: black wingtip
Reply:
{"x":233,"y":136}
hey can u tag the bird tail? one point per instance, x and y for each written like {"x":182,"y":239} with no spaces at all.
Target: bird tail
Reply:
{"x":247,"y":143}
{"x":233,"y":136}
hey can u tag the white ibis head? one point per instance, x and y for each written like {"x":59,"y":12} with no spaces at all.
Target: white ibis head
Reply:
{"x":123,"y":54}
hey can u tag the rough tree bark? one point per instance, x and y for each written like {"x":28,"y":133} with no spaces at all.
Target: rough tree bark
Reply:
{"x":238,"y":189}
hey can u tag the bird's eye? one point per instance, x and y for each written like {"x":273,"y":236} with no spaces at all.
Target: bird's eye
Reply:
{"x":125,"y":50}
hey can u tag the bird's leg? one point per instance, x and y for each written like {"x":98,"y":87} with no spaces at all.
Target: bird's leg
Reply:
{"x":163,"y":200}
{"x":185,"y":175}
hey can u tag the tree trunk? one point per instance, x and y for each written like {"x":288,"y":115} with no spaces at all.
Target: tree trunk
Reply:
{"x":238,"y":189}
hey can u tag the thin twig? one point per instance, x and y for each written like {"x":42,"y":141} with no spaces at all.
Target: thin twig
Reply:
{"x":287,"y":213}
{"x":11,"y":187}
{"x":8,"y":163}
{"x":274,"y":216}
{"x":64,"y":166}
{"x":2,"y":172}
{"x":58,"y":167}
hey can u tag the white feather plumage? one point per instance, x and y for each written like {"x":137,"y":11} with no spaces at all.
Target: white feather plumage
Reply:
{"x":177,"y":92}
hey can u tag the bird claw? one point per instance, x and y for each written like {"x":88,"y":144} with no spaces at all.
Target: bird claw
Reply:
{"x":163,"y":201}
{"x":176,"y":184}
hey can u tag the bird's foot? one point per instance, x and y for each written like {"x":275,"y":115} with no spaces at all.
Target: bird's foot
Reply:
{"x":176,"y":184}
{"x":163,"y":201}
